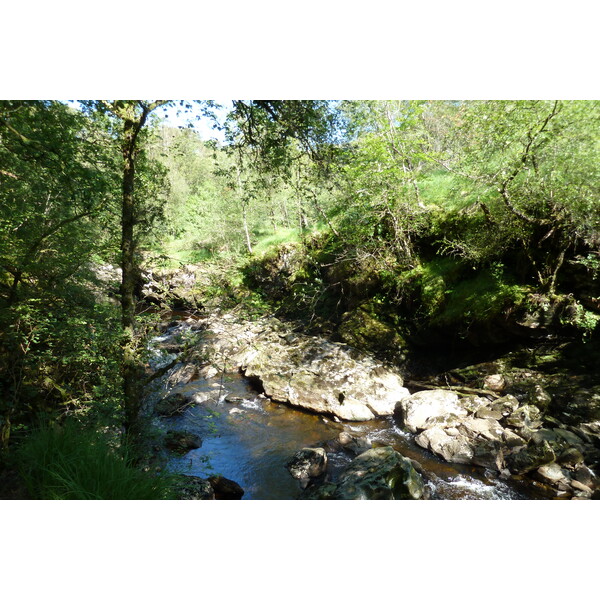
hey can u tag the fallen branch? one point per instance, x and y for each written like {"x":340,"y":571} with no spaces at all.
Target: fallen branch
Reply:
{"x":460,"y":390}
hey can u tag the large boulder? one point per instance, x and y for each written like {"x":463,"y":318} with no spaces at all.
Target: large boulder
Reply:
{"x":304,"y":371}
{"x":417,"y":411}
{"x":380,"y":474}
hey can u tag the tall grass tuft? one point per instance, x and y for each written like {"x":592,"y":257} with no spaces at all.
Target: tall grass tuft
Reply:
{"x":71,"y":463}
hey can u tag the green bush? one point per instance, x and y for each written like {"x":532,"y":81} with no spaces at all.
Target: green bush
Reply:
{"x":69,"y":462}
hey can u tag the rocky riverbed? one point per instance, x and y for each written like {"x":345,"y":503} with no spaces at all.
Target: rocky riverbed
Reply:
{"x":349,"y":426}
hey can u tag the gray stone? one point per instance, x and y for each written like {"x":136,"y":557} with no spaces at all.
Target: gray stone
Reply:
{"x":512,"y":440}
{"x":452,"y":449}
{"x":542,"y":435}
{"x":552,"y":473}
{"x":308,"y":372}
{"x":495,"y":383}
{"x":489,"y":429}
{"x":182,"y":374}
{"x":581,"y":486}
{"x":488,"y":454}
{"x":474,"y":403}
{"x":418,"y":408}
{"x":505,"y":405}
{"x":488,"y":413}
{"x":352,"y":443}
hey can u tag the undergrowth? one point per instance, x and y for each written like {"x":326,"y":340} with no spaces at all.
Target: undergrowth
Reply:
{"x":68,"y":462}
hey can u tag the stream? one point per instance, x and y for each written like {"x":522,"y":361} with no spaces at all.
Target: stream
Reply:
{"x":249,"y":439}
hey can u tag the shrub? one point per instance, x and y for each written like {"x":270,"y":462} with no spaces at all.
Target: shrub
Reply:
{"x":69,"y":462}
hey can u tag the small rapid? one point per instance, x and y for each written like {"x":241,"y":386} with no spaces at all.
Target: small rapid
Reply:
{"x":248,"y":438}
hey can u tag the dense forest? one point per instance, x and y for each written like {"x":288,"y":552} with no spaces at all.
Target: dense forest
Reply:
{"x":450,"y":246}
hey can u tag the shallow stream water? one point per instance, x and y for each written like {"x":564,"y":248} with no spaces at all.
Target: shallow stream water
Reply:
{"x":249,"y":439}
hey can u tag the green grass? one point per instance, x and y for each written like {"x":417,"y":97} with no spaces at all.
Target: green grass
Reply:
{"x":283,"y":236}
{"x":479,"y":298}
{"x":70,"y":463}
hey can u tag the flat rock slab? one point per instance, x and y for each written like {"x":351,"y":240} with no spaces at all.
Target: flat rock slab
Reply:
{"x":304,"y":371}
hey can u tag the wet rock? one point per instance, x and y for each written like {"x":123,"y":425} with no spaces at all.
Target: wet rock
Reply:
{"x":189,"y":487}
{"x":380,"y":474}
{"x":233,"y":399}
{"x":415,"y":410}
{"x":352,"y":443}
{"x":182,"y":441}
{"x":172,"y":404}
{"x":455,"y":449}
{"x":530,"y":458}
{"x":307,"y":464}
{"x":225,"y":489}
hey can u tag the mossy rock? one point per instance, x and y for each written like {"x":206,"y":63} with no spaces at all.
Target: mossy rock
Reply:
{"x":380,"y":474}
{"x":189,"y":487}
{"x":359,"y":328}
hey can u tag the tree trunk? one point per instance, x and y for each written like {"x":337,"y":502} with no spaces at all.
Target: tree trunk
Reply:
{"x":248,"y":242}
{"x":130,"y":367}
